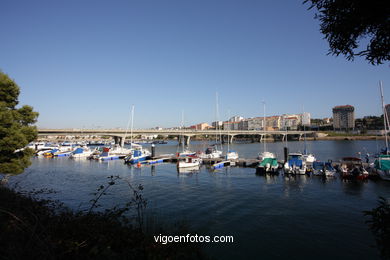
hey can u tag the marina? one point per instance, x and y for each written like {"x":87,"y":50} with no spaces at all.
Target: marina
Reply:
{"x":277,"y":215}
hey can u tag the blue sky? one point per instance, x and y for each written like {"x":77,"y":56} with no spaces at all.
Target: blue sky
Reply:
{"x":85,"y":63}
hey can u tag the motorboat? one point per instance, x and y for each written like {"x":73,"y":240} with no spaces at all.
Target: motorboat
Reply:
{"x":295,"y":164}
{"x":107,"y":155}
{"x":318,"y":168}
{"x":352,"y":168}
{"x":211,"y":153}
{"x":81,"y":152}
{"x":330,"y":171}
{"x":189,"y":162}
{"x":268,"y":165}
{"x":137,"y":155}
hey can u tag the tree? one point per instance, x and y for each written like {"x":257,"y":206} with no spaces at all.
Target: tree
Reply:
{"x":16,"y":128}
{"x":348,"y":23}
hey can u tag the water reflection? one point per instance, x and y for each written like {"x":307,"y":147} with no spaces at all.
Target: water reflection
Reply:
{"x":353,"y":187}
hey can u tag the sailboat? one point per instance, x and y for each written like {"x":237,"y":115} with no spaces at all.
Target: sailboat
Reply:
{"x":186,"y":158}
{"x":230,"y":154}
{"x":184,"y":152}
{"x":137,"y":153}
{"x":212,"y":152}
{"x":307,"y":157}
{"x":268,"y":162}
{"x":382,"y":163}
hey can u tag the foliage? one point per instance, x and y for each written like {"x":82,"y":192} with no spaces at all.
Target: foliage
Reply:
{"x":41,"y":229}
{"x":346,"y":24}
{"x":370,"y":123}
{"x":379,"y":224}
{"x":16,"y":128}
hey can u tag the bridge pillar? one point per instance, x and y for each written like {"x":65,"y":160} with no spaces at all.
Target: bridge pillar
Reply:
{"x":187,"y":140}
{"x":230,"y":139}
{"x":284,"y":138}
{"x":300,"y":137}
{"x":118,"y":140}
{"x":261,"y":138}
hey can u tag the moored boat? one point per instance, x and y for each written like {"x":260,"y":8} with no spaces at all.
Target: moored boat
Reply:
{"x":138,"y":154}
{"x":295,"y":164}
{"x":189,"y":162}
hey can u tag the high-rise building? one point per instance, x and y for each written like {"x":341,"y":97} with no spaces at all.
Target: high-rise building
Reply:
{"x":343,"y":117}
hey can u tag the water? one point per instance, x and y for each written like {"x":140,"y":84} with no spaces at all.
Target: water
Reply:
{"x":270,"y":217}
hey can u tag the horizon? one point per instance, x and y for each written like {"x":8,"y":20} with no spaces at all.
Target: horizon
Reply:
{"x":83,"y":65}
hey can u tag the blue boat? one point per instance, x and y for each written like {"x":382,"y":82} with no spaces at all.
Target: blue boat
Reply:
{"x":137,"y":155}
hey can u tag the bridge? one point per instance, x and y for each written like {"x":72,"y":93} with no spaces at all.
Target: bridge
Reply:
{"x":119,"y":135}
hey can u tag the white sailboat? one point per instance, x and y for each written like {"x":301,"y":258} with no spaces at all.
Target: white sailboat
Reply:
{"x":213,"y":152}
{"x":268,"y":161}
{"x":186,"y":158}
{"x":230,"y":154}
{"x":307,"y":157}
{"x":184,"y":152}
{"x":136,"y":153}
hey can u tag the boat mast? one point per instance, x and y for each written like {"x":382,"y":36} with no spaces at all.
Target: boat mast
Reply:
{"x":182,"y":130}
{"x":304,"y":131}
{"x":132,"y":122}
{"x":228,"y":136}
{"x":385,"y":117}
{"x":127,"y":128}
{"x":264,"y":127}
{"x":217,"y":122}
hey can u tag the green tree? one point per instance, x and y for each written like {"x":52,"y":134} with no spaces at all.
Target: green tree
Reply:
{"x":347,"y":24}
{"x":16,"y":128}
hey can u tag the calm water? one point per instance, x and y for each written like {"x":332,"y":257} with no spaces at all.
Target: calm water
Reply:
{"x":270,"y":218}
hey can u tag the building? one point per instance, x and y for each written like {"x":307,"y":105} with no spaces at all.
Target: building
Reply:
{"x":201,"y":126}
{"x":343,"y":117}
{"x":290,"y":122}
{"x":230,"y":125}
{"x":236,"y":119}
{"x":305,"y":119}
{"x":216,"y":124}
{"x":272,"y":123}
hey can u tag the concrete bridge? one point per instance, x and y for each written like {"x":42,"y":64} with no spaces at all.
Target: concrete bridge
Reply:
{"x":120,"y":134}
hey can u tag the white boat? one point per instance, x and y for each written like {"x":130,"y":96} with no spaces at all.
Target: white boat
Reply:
{"x":46,"y":148}
{"x":295,"y":164}
{"x":185,"y":153}
{"x":264,"y":155}
{"x":309,"y":158}
{"x":36,"y":145}
{"x":189,"y":162}
{"x":106,"y":155}
{"x":81,"y":152}
{"x":211,"y":153}
{"x":231,"y":155}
